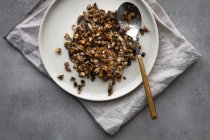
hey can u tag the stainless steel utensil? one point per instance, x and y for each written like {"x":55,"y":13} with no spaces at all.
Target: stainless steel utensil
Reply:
{"x":129,"y":16}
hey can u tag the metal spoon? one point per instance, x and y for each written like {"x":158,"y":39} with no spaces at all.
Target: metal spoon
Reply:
{"x":128,"y":15}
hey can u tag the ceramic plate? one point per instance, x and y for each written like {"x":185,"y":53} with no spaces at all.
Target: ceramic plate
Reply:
{"x":59,"y":18}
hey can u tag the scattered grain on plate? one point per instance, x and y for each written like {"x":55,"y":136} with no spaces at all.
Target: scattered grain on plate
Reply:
{"x":73,"y":78}
{"x":66,"y":66}
{"x":143,"y":54}
{"x":110,"y":89}
{"x":144,"y":30}
{"x":82,"y":82}
{"x":68,"y":69}
{"x":75,"y":84}
{"x":58,"y":50}
{"x":60,"y":77}
{"x":79,"y":89}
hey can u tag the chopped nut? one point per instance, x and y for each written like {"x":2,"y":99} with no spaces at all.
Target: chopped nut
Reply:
{"x":82,"y":82}
{"x":144,"y":30}
{"x":74,"y":27}
{"x":75,"y":84}
{"x":89,"y":7}
{"x":67,"y":44}
{"x":67,"y":36}
{"x":124,"y":77}
{"x":73,"y":79}
{"x":60,"y":77}
{"x":113,"y":82}
{"x":75,"y":66}
{"x":82,"y":42}
{"x":82,"y":74}
{"x":76,"y":36}
{"x":90,"y":27}
{"x":95,"y":6}
{"x":79,"y":89}
{"x":127,"y":28}
{"x":58,"y":50}
{"x":143,"y":54}
{"x":91,"y":11}
{"x":110,"y":89}
{"x":132,"y":14}
{"x":113,"y":44}
{"x":66,"y":66}
{"x":127,"y":16}
{"x":139,"y":46}
{"x":80,"y":47}
{"x":120,"y":38}
{"x":68,"y":69}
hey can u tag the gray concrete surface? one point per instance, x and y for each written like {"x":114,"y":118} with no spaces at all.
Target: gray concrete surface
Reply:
{"x":33,"y":108}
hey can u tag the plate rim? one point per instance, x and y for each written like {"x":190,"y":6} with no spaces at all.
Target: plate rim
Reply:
{"x":78,"y":95}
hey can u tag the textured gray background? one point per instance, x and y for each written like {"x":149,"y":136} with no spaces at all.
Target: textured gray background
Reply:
{"x":33,"y":108}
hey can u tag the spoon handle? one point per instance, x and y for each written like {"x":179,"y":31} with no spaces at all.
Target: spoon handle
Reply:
{"x":150,"y":101}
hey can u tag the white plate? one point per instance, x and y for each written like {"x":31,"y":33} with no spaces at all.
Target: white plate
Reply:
{"x":59,"y":18}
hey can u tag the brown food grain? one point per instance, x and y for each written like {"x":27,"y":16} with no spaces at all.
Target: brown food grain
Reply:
{"x":60,"y":77}
{"x":144,"y":30}
{"x":99,"y":47}
{"x":58,"y":50}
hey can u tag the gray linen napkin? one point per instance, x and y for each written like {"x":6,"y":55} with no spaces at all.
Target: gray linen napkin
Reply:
{"x":175,"y":55}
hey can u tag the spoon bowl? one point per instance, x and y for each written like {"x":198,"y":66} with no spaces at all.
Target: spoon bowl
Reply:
{"x":132,"y":13}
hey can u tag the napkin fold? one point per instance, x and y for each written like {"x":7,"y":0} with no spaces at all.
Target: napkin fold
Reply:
{"x":175,"y":55}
